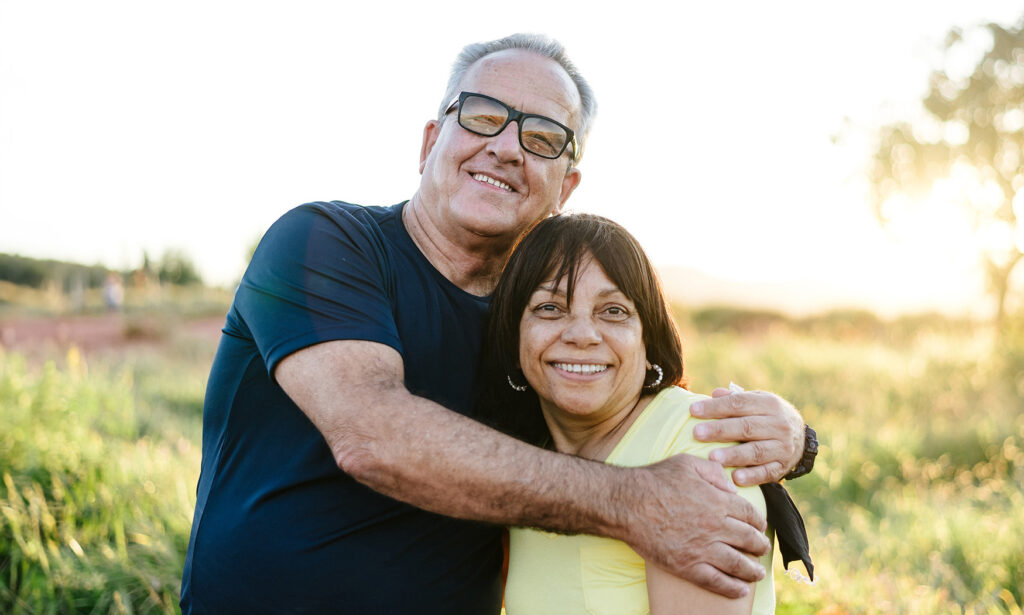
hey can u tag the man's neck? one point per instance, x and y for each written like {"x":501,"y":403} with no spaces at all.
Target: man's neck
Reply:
{"x":471,"y":262}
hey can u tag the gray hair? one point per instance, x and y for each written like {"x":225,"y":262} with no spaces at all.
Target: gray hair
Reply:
{"x":538,"y":44}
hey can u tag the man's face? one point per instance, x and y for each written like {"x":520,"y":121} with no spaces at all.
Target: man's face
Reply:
{"x":491,"y":186}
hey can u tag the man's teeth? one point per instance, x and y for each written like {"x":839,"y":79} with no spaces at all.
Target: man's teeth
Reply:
{"x":480,"y":177}
{"x":578,"y":368}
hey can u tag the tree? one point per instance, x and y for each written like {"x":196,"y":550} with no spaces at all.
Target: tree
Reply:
{"x":971,"y":134}
{"x":177,"y":268}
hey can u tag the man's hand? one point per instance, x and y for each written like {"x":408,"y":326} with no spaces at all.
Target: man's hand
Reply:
{"x":769,"y":429}
{"x":689,"y":520}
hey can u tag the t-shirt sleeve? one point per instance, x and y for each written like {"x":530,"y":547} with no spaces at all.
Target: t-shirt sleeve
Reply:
{"x":317,"y":275}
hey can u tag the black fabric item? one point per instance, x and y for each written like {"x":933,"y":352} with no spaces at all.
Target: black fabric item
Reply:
{"x":789,"y":526}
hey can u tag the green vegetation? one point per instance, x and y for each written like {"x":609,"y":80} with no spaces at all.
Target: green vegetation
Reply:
{"x":174,"y":267}
{"x":99,"y":461}
{"x":914,"y":506}
{"x":34,"y":273}
{"x":915,"y":503}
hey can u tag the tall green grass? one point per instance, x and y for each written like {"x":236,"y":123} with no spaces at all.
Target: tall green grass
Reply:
{"x":916,"y":504}
{"x":98,"y":463}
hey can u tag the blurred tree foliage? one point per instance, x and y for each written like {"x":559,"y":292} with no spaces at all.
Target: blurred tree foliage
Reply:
{"x":174,"y":267}
{"x":973,"y":130}
{"x":36,"y":273}
{"x":177,"y":268}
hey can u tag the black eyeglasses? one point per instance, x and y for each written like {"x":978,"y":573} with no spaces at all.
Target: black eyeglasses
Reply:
{"x":538,"y":135}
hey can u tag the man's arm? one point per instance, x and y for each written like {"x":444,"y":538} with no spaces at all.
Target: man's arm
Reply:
{"x":678,"y":513}
{"x":770,"y":430}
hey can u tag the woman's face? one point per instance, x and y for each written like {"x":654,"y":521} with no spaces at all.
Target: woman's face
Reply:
{"x":586,"y":360}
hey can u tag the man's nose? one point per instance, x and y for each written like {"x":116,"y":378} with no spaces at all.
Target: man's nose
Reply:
{"x":505,"y":144}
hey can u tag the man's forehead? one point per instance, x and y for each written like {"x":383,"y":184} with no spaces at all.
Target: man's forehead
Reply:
{"x":523,"y":79}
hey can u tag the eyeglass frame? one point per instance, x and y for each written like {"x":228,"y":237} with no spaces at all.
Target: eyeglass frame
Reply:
{"x":515,"y":115}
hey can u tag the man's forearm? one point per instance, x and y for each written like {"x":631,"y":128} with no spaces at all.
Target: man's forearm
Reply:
{"x":416,"y":451}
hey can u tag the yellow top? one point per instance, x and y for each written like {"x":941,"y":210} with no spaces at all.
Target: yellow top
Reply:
{"x":589,"y":575}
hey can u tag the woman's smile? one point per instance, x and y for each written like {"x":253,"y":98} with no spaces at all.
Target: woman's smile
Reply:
{"x":580,"y":368}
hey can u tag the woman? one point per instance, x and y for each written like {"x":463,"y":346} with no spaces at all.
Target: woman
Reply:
{"x":584,"y":357}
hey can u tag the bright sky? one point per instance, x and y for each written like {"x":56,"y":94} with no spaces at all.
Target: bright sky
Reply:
{"x":135,"y":125}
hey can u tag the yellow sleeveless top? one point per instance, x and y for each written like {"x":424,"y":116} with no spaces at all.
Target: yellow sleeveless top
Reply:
{"x":589,"y":575}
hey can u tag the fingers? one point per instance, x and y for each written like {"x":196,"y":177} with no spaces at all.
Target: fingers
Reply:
{"x":712,"y":579}
{"x":770,"y":429}
{"x":770,"y":472}
{"x":752,"y":453}
{"x":757,"y":462}
{"x":744,"y":537}
{"x":742,"y":429}
{"x":742,"y":511}
{"x":734,"y":563}
{"x":720,"y":392}
{"x":714,"y":473}
{"x":736,"y":404}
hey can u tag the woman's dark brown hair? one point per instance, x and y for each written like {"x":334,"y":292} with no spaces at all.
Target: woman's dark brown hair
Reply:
{"x":557,"y":248}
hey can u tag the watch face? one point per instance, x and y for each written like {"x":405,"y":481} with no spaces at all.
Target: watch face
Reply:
{"x":811,"y":442}
{"x":810,"y":452}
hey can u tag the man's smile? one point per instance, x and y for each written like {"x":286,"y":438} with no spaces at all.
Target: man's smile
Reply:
{"x":480,"y":177}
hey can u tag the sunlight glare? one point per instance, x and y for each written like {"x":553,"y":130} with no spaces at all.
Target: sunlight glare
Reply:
{"x":1018,"y":211}
{"x":937,"y":222}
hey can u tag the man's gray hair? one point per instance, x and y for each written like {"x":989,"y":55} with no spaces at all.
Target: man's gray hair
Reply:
{"x":538,"y":44}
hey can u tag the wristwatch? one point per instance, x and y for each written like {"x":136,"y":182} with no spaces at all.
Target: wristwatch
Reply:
{"x":810,"y":452}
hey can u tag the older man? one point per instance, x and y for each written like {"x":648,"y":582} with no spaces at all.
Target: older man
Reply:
{"x":341,"y":469}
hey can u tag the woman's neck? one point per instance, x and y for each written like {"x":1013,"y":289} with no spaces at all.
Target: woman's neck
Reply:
{"x":589,"y":437}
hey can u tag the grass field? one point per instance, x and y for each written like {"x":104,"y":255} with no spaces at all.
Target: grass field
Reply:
{"x":915,"y":505}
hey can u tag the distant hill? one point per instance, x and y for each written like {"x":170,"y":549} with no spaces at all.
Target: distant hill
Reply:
{"x":694,"y":289}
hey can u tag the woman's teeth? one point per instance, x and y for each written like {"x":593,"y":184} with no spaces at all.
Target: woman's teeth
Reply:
{"x":578,"y":368}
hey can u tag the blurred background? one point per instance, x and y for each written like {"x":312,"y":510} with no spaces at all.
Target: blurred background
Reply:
{"x":831,"y":194}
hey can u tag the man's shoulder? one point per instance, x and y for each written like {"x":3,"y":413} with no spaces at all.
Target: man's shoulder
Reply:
{"x":342,"y":212}
{"x":327,"y":225}
{"x":320,"y":234}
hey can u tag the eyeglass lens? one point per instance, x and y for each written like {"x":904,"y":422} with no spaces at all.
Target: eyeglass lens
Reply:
{"x":538,"y":135}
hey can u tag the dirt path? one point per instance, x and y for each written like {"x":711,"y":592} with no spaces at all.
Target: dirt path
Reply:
{"x":102,"y":332}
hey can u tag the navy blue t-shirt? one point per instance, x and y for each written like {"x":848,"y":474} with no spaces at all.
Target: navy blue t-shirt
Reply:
{"x":278,"y":528}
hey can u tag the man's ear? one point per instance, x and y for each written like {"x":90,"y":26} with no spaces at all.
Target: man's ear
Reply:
{"x":430,"y":133}
{"x":569,"y":182}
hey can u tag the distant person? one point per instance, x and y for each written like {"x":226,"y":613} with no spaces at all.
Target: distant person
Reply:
{"x":113,"y":292}
{"x":583,"y":357}
{"x":342,"y":469}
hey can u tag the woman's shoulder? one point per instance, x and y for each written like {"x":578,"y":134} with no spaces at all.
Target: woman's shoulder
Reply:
{"x":671,"y":408}
{"x":664,"y":424}
{"x":677,"y":396}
